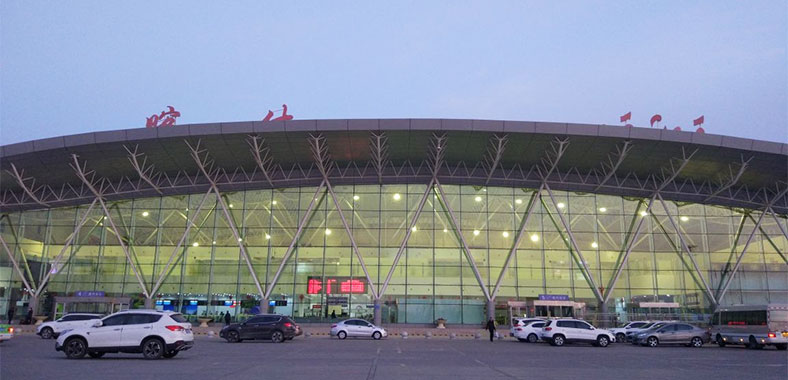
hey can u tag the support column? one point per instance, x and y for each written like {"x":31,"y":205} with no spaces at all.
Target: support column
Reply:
{"x":148,"y":303}
{"x":491,"y":309}
{"x":604,"y":319}
{"x":377,"y":312}
{"x":33,"y":304}
{"x":264,"y":305}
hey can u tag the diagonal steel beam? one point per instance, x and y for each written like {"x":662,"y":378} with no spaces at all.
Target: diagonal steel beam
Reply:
{"x":379,"y":151}
{"x":202,"y":164}
{"x":458,"y":231}
{"x":142,"y":170}
{"x":735,"y":244}
{"x":769,"y":239}
{"x":614,"y":161}
{"x":572,"y":240}
{"x":304,"y":221}
{"x":189,"y":224}
{"x":777,"y":220}
{"x":323,"y":161}
{"x":517,"y":239}
{"x":550,"y":161}
{"x":74,"y":235}
{"x":82,"y":175}
{"x":676,"y":169}
{"x":686,"y":249}
{"x":494,"y":154}
{"x":630,"y":244}
{"x":437,"y":150}
{"x":16,"y":265}
{"x":741,"y":256}
{"x":21,"y":180}
{"x":733,"y":178}
{"x":262,"y":156}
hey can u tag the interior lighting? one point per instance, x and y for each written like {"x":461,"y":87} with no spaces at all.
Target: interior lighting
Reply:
{"x":240,"y":239}
{"x":534,"y":238}
{"x":594,"y":245}
{"x":561,"y":205}
{"x":684,"y":218}
{"x":414,"y":229}
{"x":273,"y":202}
{"x":445,"y":230}
{"x":478,"y":199}
{"x":145,"y":213}
{"x":603,"y":209}
{"x":231,"y":205}
{"x":267,"y":237}
{"x":328,"y":231}
{"x":397,"y":196}
{"x":356,"y":197}
{"x":518,"y":201}
{"x":476,"y":232}
{"x":505,"y":234}
{"x":644,"y":213}
{"x":195,"y":244}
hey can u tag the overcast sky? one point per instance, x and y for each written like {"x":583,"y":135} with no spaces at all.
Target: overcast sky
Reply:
{"x":71,"y":67}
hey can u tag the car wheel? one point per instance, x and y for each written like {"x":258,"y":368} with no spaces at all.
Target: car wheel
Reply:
{"x":754,"y":344}
{"x":621,"y":338}
{"x":47,"y":333}
{"x":152,"y":348}
{"x":277,"y":337}
{"x":75,"y":348}
{"x":558,"y":340}
{"x":652,"y":341}
{"x":602,"y":341}
{"x":95,"y":354}
{"x":233,"y":337}
{"x":532,"y":338}
{"x":341,"y":335}
{"x":376,"y":335}
{"x":696,"y":342}
{"x":719,"y":340}
{"x":170,"y":354}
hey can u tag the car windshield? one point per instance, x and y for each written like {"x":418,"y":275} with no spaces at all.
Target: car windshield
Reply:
{"x":647,"y":325}
{"x":636,"y":325}
{"x":178,"y":318}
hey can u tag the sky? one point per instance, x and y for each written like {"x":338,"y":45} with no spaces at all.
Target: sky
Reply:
{"x":85,"y":66}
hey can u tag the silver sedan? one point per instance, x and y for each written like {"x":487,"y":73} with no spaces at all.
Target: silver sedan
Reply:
{"x":672,"y":333}
{"x":357,"y":328}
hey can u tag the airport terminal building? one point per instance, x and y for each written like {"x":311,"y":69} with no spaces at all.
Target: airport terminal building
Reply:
{"x":400,"y":220}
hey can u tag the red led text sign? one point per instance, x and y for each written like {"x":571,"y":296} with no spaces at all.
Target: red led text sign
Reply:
{"x":335,"y":285}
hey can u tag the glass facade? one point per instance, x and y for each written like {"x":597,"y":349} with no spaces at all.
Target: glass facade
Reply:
{"x":205,"y":273}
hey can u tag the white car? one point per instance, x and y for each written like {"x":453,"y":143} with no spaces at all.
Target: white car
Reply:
{"x":560,"y":331}
{"x":621,"y":332}
{"x":357,"y":327}
{"x":52,"y":329}
{"x":530,"y":332}
{"x":153,"y":333}
{"x":520,"y":322}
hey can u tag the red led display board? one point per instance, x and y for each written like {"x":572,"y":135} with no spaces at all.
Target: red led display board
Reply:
{"x":335,"y":285}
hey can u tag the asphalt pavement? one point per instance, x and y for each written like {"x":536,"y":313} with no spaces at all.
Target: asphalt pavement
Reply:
{"x":30,"y":357}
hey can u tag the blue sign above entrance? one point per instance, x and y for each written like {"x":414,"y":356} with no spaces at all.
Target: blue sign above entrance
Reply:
{"x":89,"y":293}
{"x":554,"y":297}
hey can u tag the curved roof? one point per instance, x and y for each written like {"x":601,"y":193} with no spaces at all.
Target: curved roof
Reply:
{"x":683,"y":166}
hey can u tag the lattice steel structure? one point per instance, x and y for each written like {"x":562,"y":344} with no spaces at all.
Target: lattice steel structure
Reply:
{"x":407,"y":220}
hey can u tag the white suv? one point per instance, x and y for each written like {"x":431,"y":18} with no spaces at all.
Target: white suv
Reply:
{"x":153,"y":333}
{"x":520,"y":322}
{"x":560,"y":331}
{"x":52,"y":329}
{"x":530,"y":331}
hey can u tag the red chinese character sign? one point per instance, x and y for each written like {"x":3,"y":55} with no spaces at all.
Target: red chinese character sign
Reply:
{"x":657,"y":118}
{"x":164,"y":119}
{"x":335,"y":285}
{"x":285,"y":116}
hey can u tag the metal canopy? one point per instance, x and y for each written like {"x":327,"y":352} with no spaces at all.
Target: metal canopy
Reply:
{"x":37,"y":173}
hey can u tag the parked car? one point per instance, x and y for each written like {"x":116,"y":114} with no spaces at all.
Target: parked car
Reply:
{"x":52,"y":329}
{"x":277,"y":328}
{"x":557,"y":332}
{"x":530,"y":332}
{"x":6,"y":332}
{"x":755,"y":326}
{"x":153,"y":333}
{"x":520,"y":322}
{"x":357,"y":328}
{"x":634,"y":331}
{"x":673,"y":333}
{"x":621,"y":332}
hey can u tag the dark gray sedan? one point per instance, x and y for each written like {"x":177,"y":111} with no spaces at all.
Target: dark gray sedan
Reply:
{"x":673,"y":333}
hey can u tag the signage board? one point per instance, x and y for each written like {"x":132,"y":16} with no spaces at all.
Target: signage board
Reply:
{"x":89,"y":293}
{"x":553,"y":297}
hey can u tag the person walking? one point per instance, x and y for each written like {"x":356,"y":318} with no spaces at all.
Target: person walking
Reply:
{"x":29,"y":317}
{"x":491,"y":328}
{"x":10,"y":313}
{"x":226,"y":318}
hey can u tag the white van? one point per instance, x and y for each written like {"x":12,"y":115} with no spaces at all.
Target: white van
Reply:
{"x":753,"y":326}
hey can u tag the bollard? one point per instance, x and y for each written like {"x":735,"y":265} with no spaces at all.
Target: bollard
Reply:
{"x":211,"y":333}
{"x":452,"y":336}
{"x":307,"y":334}
{"x":404,"y":334}
{"x":428,"y":335}
{"x":477,"y":336}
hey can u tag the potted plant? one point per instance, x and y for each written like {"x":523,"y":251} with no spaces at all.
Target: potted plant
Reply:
{"x":441,"y":323}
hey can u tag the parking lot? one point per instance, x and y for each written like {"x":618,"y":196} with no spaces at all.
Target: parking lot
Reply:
{"x":29,"y":357}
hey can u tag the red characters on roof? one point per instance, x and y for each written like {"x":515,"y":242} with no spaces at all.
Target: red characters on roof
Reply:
{"x":164,"y":119}
{"x":284,"y":116}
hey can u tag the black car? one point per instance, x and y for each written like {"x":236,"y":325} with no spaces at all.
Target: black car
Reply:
{"x":276,"y":327}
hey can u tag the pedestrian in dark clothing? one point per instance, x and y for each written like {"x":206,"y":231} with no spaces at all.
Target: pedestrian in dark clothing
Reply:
{"x":29,"y":318}
{"x":491,"y":328}
{"x":333,"y":314}
{"x":10,"y":313}
{"x":227,"y":318}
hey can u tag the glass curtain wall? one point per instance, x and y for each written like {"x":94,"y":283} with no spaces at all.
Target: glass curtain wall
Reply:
{"x":203,"y":272}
